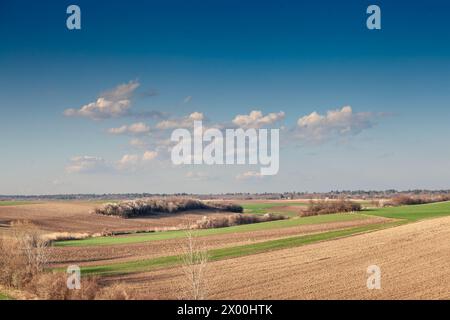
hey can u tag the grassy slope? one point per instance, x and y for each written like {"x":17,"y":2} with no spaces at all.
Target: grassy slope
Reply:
{"x":144,"y":237}
{"x":413,"y":213}
{"x":262,"y":208}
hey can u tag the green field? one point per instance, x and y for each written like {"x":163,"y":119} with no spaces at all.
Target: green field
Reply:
{"x":262,"y":208}
{"x":14,"y":203}
{"x":165,"y":235}
{"x":413,"y":213}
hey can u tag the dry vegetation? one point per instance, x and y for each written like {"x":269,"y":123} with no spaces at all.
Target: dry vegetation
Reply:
{"x":24,"y":258}
{"x":406,"y":200}
{"x":194,"y":255}
{"x":234,"y":220}
{"x":328,"y":207}
{"x":150,"y":206}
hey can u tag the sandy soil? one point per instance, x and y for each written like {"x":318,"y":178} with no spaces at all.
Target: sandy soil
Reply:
{"x":76,"y":217}
{"x":414,"y":261}
{"x":109,"y":254}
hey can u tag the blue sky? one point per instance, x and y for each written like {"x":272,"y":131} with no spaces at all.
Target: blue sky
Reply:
{"x":223,"y":59}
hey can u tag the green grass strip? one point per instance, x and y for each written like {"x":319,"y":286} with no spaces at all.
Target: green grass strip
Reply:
{"x":413,"y":213}
{"x":166,"y":235}
{"x":15,"y":203}
{"x":262,"y":208}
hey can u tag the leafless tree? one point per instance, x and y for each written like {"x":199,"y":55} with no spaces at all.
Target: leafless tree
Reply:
{"x":32,"y":245}
{"x":194,"y":264}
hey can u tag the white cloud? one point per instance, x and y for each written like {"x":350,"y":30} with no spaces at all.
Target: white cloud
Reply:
{"x":180,"y":123}
{"x":135,"y":128}
{"x":110,"y":104}
{"x":138,"y":143}
{"x":128,"y":161}
{"x":86,"y":164}
{"x":256,"y":119}
{"x":120,"y":130}
{"x":198,"y":176}
{"x":196,"y":116}
{"x":249,"y":175}
{"x":139,"y":127}
{"x":316,"y":128}
{"x":149,"y":155}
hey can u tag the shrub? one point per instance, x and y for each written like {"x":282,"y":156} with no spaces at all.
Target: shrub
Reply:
{"x":13,"y":265}
{"x":234,"y":220}
{"x":145,"y":207}
{"x":23,"y":259}
{"x":328,"y":207}
{"x":116,"y":291}
{"x":23,"y":255}
{"x":406,"y":200}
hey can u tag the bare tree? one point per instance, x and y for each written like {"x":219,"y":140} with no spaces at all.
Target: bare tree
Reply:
{"x":194,"y":264}
{"x":32,"y":245}
{"x":23,"y":255}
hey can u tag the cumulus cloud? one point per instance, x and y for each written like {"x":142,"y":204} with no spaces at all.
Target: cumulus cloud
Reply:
{"x":132,"y":162}
{"x":92,"y":165}
{"x":135,"y":128}
{"x":149,"y":155}
{"x":180,"y":123}
{"x":138,"y":143}
{"x":87,"y":164}
{"x":128,"y":161}
{"x":198,"y":176}
{"x":316,"y":128}
{"x":256,"y":119}
{"x":110,"y":104}
{"x":249,"y":175}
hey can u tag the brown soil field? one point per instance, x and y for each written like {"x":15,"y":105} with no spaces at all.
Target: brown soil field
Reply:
{"x":73,"y":216}
{"x":61,"y":256}
{"x":414,"y":261}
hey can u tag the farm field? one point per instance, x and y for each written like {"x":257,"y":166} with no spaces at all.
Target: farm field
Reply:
{"x":76,"y":216}
{"x":145,"y":260}
{"x":413,"y":212}
{"x":414,"y":259}
{"x":287,"y":207}
{"x":152,"y":245}
{"x":155,"y":236}
{"x":227,"y":253}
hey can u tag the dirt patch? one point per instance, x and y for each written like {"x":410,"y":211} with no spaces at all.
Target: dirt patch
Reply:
{"x":414,"y":261}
